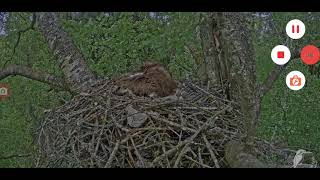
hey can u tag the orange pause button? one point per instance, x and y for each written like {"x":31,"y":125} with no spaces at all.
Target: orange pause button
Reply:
{"x":310,"y":55}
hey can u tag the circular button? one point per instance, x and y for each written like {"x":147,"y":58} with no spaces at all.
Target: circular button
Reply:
{"x":310,"y":55}
{"x":295,"y":80}
{"x":280,"y":54}
{"x":295,"y":29}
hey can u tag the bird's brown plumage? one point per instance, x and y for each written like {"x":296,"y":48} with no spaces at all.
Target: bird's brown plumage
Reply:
{"x":152,"y":80}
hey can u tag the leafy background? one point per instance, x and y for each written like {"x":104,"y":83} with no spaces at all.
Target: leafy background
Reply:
{"x":114,"y":43}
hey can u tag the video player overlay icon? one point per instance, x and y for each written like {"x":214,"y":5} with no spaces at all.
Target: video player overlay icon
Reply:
{"x":310,"y":55}
{"x":4,"y":91}
{"x":280,"y":54}
{"x":295,"y":29}
{"x":295,"y":80}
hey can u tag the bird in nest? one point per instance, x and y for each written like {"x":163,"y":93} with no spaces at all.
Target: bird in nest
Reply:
{"x":151,"y":80}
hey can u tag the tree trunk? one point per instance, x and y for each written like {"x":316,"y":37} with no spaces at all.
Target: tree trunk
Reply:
{"x":230,"y":61}
{"x":76,"y":72}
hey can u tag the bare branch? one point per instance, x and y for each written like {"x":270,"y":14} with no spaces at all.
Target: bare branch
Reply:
{"x":277,"y":70}
{"x":15,"y":156}
{"x":32,"y":74}
{"x":273,"y":76}
{"x":30,"y":27}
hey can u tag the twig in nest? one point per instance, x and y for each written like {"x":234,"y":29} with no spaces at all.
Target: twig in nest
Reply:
{"x":182,"y":153}
{"x":113,"y":154}
{"x":214,"y":158}
{"x":188,"y":140}
{"x":137,"y":153}
{"x":175,"y":124}
{"x":210,"y":94}
{"x":199,"y":163}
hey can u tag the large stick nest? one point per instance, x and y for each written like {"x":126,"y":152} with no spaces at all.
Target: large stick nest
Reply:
{"x":103,"y":128}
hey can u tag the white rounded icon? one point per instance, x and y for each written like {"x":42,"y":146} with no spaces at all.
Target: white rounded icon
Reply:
{"x":280,"y":54}
{"x":295,"y":80}
{"x":295,"y":29}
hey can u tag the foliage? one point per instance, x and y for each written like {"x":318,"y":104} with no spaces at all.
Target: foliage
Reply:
{"x":116,"y":44}
{"x":286,"y":116}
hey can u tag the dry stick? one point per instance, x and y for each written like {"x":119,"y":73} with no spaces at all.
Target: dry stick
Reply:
{"x":164,"y":150}
{"x":211,"y":95}
{"x":118,"y":125}
{"x":172,"y":130}
{"x":150,"y":128}
{"x":192,"y":152}
{"x":91,"y":145}
{"x":210,"y":151}
{"x":199,"y":155}
{"x":130,"y":156}
{"x":182,"y":153}
{"x":99,"y":137}
{"x":176,"y":125}
{"x":152,"y":145}
{"x":189,"y":140}
{"x":75,"y":153}
{"x":137,"y":152}
{"x":204,"y":165}
{"x":113,"y":154}
{"x":161,"y":142}
{"x":197,"y":108}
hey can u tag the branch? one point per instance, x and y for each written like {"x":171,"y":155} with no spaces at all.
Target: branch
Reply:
{"x":32,"y":74}
{"x":272,"y":77}
{"x":30,"y":27}
{"x":15,"y":156}
{"x":275,"y":73}
{"x":70,"y":59}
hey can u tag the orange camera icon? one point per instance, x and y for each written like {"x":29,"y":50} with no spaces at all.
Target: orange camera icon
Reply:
{"x":295,"y":81}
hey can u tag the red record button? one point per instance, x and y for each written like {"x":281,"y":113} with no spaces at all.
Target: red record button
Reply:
{"x":310,"y":55}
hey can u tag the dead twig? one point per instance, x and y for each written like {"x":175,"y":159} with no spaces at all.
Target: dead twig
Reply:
{"x":113,"y":154}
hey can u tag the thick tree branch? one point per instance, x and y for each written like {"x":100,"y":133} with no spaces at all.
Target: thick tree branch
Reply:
{"x":76,"y":72}
{"x":32,"y":74}
{"x":272,"y":77}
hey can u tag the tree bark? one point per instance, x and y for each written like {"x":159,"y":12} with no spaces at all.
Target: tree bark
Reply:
{"x":230,"y":58}
{"x":237,"y":157}
{"x":76,"y":72}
